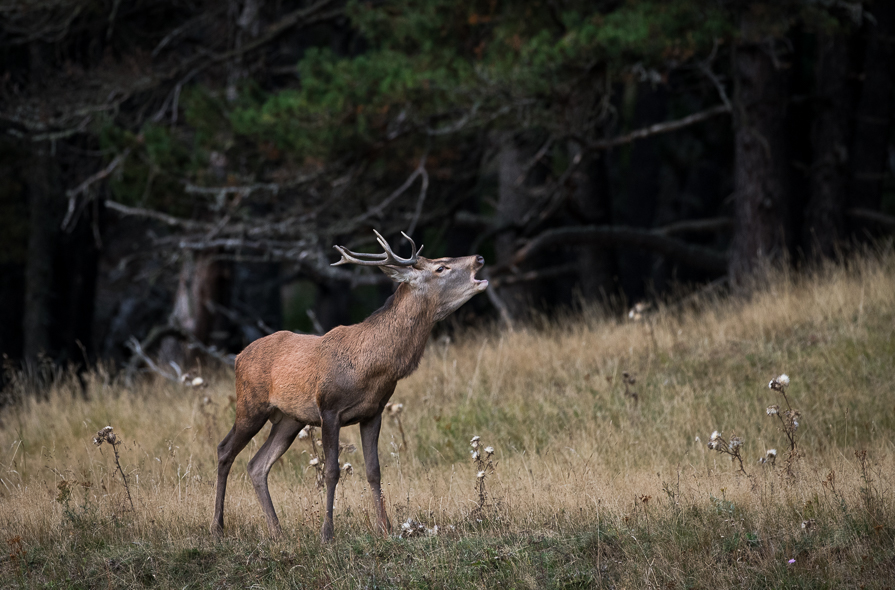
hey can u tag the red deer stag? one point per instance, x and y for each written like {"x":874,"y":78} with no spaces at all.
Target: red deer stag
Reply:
{"x":341,"y":378}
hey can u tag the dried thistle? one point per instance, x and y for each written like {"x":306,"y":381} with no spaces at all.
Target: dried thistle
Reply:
{"x":484,"y":468}
{"x":728,"y":447}
{"x":395,"y":410}
{"x":789,"y":419}
{"x":316,"y":460}
{"x":107,"y":435}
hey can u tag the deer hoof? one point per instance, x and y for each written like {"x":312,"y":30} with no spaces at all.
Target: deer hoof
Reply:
{"x":326,"y":533}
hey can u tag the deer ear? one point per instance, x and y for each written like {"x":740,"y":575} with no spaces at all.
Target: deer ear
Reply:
{"x":401,"y":274}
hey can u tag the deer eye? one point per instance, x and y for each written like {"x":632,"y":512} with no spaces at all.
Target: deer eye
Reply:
{"x":440,"y":269}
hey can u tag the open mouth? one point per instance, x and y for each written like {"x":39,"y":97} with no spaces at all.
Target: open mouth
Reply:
{"x":480,"y":284}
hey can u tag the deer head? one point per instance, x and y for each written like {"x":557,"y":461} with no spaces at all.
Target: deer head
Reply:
{"x":445,"y":283}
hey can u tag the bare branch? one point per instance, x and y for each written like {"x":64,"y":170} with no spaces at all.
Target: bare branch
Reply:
{"x":498,"y":303}
{"x":72,"y":194}
{"x":887,"y":221}
{"x":534,"y":160}
{"x":158,"y":216}
{"x":318,"y":327}
{"x":380,"y":208}
{"x":535,"y":275}
{"x":231,"y":190}
{"x":139,"y":353}
{"x":722,"y":93}
{"x":556,"y":198}
{"x":652,"y":240}
{"x":238,"y":317}
{"x":711,"y":225}
{"x":302,"y":16}
{"x":419,"y":203}
{"x":456,"y":125}
{"x":706,"y":68}
{"x":657,"y":129}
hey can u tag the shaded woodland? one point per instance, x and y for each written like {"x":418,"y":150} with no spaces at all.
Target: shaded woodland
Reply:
{"x":174,"y":174}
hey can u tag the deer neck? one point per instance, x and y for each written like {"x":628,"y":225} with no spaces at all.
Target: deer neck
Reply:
{"x":399,"y":331}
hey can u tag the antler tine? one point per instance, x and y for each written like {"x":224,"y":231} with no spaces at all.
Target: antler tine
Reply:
{"x":393,"y":258}
{"x":413,"y":246}
{"x":386,"y":258}
{"x":349,"y":257}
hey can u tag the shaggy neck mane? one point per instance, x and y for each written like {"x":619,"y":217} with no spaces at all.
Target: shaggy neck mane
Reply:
{"x":399,"y":330}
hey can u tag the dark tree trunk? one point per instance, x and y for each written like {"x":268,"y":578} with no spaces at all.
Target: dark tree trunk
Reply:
{"x":830,"y":137}
{"x":512,"y":205}
{"x":873,"y":114}
{"x":198,"y":285}
{"x":760,"y":158}
{"x":42,"y":179}
{"x":76,"y":268}
{"x":591,"y":204}
{"x":639,"y":206}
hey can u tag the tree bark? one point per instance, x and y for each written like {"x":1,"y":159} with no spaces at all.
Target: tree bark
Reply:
{"x":591,"y":202}
{"x":830,"y":137}
{"x":643,"y":189}
{"x":198,"y":284}
{"x":873,"y":115}
{"x":44,"y":196}
{"x":44,"y":216}
{"x":760,"y":166}
{"x":512,"y":205}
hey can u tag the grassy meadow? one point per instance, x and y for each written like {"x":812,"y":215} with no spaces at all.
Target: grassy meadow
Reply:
{"x":597,"y":479}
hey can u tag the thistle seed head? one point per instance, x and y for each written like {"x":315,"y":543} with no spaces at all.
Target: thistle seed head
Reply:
{"x":105,"y":435}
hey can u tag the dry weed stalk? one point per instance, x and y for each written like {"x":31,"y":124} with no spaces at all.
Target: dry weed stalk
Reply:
{"x":108,"y":435}
{"x":789,"y":422}
{"x":395,"y":410}
{"x":728,"y":447}
{"x":484,"y":466}
{"x":316,"y":460}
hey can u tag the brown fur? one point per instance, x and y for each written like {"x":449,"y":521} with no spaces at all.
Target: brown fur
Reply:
{"x":341,"y":378}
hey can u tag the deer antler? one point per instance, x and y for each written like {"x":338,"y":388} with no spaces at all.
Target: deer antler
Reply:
{"x":386,"y":258}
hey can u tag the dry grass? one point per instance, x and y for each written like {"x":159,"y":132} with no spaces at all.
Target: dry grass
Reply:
{"x":591,"y":487}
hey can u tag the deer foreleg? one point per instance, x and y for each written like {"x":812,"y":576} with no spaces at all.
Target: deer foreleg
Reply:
{"x":369,"y":434}
{"x":278,"y":442}
{"x":330,"y":435}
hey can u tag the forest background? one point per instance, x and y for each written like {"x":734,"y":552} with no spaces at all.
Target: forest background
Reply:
{"x":174,"y":174}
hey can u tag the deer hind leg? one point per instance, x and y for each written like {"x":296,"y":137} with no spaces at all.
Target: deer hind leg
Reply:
{"x":235,"y":441}
{"x":369,"y":434}
{"x":330,"y":435}
{"x":281,"y":437}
